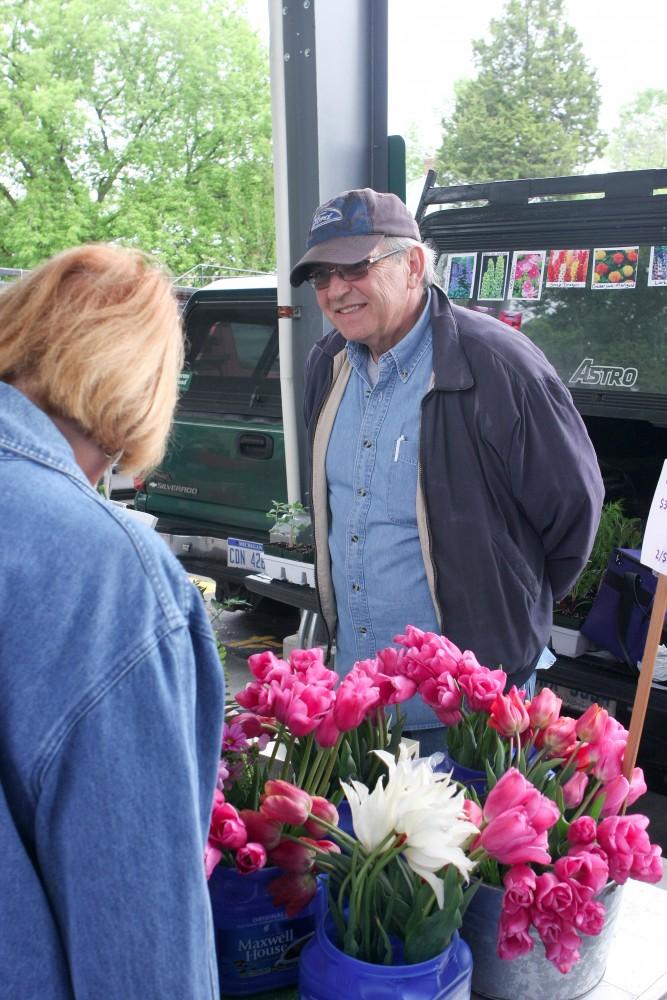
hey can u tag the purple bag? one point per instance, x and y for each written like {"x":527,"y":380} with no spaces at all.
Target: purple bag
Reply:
{"x":619,"y":617}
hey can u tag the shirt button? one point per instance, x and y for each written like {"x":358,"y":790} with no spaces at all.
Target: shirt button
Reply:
{"x":404,"y":373}
{"x":363,"y":630}
{"x":361,"y":492}
{"x":354,"y":538}
{"x":368,"y":444}
{"x":356,"y":586}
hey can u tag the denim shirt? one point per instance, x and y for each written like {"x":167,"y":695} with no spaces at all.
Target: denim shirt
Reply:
{"x":372,"y":466}
{"x":110,"y":723}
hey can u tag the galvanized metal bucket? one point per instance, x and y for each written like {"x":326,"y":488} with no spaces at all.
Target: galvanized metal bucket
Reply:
{"x":533,"y":975}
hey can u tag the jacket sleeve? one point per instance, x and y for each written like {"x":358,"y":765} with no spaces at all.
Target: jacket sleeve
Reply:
{"x":556,"y":478}
{"x":121,"y":822}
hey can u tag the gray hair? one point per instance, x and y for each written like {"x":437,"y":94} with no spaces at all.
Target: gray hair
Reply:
{"x":405,"y":243}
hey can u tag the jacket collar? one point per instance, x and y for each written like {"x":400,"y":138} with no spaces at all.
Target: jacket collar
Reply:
{"x":450,"y":364}
{"x":27,"y":430}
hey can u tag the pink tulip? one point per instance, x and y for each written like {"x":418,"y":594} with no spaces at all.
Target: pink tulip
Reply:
{"x":256,"y":698}
{"x":266,"y":666}
{"x":473,"y":812}
{"x":590,"y":918}
{"x":582,"y":831}
{"x":302,"y":659}
{"x":212,"y":856}
{"x":293,"y":891}
{"x":260,"y":829}
{"x":293,"y":857}
{"x":285,"y":802}
{"x":481,"y":687}
{"x":250,"y":858}
{"x":508,"y":714}
{"x":511,"y":839}
{"x":564,"y":952}
{"x":327,"y":732}
{"x":253,"y":725}
{"x":327,"y":845}
{"x":514,"y":937}
{"x":514,"y":790}
{"x":620,"y":791}
{"x":584,"y":867}
{"x":320,"y":809}
{"x":394,"y":689}
{"x":629,"y":851}
{"x":354,"y":699}
{"x":562,"y":897}
{"x":444,"y":697}
{"x":227,"y":829}
{"x":606,"y":759}
{"x":590,"y":726}
{"x":519,"y":884}
{"x":574,"y":790}
{"x":301,"y":707}
{"x":390,"y":660}
{"x":559,"y":738}
{"x":544,"y":709}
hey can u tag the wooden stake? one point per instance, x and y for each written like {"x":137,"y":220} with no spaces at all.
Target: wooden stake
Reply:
{"x":645,"y":676}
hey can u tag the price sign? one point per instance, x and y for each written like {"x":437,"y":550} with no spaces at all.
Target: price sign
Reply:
{"x":654,"y":546}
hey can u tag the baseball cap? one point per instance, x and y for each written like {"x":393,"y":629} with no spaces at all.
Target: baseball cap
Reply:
{"x":347,"y":229}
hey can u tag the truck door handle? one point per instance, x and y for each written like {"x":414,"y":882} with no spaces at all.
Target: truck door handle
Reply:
{"x":256,"y":445}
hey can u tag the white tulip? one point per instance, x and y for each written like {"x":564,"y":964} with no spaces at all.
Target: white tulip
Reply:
{"x":424,"y":806}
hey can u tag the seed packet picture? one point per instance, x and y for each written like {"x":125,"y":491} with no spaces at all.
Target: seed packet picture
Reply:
{"x":493,"y":272}
{"x":615,"y":267}
{"x":527,"y":273}
{"x":567,"y":268}
{"x":460,"y":275}
{"x":657,"y":268}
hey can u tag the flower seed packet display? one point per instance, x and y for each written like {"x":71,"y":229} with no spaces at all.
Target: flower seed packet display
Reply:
{"x":460,"y":275}
{"x":567,"y":268}
{"x":657,"y":268}
{"x":615,"y":267}
{"x":526,"y":276}
{"x":493,"y":273}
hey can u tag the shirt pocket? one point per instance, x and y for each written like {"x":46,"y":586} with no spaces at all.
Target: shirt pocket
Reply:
{"x":402,"y":483}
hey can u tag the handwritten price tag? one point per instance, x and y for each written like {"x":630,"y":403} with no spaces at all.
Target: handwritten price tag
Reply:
{"x":654,"y":547}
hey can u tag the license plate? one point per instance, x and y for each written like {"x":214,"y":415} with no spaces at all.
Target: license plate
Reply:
{"x":581,"y":700}
{"x":245,"y":555}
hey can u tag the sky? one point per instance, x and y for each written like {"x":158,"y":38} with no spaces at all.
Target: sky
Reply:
{"x":430,"y":48}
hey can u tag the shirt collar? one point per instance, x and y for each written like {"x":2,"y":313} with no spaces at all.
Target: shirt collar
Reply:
{"x":407,"y":353}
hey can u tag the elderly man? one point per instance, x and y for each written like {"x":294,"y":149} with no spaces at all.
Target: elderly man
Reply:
{"x":454,"y":486}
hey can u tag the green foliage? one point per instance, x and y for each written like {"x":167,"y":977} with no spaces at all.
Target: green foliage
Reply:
{"x":614,"y":531}
{"x":532,"y":110}
{"x":639,"y":141}
{"x":141,"y":122}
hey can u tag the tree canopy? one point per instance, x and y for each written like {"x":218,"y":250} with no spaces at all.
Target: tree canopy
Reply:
{"x":532,"y":110}
{"x":640,"y":139}
{"x":146,"y":121}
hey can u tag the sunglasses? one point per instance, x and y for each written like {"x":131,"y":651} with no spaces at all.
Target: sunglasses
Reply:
{"x":320,"y":276}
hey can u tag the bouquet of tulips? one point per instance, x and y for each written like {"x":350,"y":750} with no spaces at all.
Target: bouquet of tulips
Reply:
{"x":396,"y":881}
{"x":319,"y":729}
{"x":553,"y":828}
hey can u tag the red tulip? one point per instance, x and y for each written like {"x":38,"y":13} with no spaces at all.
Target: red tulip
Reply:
{"x":508,"y":714}
{"x":250,"y":858}
{"x":292,"y":891}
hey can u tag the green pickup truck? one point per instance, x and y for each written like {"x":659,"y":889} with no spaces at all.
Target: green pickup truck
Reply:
{"x":226,"y":462}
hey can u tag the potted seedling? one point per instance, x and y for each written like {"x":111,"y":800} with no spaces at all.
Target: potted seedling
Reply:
{"x":289,"y":554}
{"x":614,"y":531}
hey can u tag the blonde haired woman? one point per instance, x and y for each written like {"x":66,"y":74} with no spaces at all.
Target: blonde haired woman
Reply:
{"x":111,"y":689}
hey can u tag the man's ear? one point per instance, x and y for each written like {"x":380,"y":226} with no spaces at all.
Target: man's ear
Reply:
{"x":416,"y":263}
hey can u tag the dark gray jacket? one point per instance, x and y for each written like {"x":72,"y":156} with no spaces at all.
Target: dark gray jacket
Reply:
{"x":509,"y":493}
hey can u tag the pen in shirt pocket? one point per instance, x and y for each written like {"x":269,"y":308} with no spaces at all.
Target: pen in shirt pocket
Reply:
{"x":397,"y":449}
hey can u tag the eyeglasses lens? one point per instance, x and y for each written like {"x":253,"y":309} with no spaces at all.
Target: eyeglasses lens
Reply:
{"x":320,"y":277}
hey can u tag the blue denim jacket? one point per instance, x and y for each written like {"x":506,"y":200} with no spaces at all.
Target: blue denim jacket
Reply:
{"x":110,"y":721}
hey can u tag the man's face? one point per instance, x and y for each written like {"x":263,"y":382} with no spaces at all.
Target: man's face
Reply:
{"x":381,"y":308}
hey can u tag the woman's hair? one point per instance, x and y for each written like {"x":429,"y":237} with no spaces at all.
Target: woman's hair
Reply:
{"x":94,"y":334}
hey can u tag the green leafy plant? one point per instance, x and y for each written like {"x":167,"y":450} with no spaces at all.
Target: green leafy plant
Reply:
{"x":291,"y":524}
{"x":614,"y":531}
